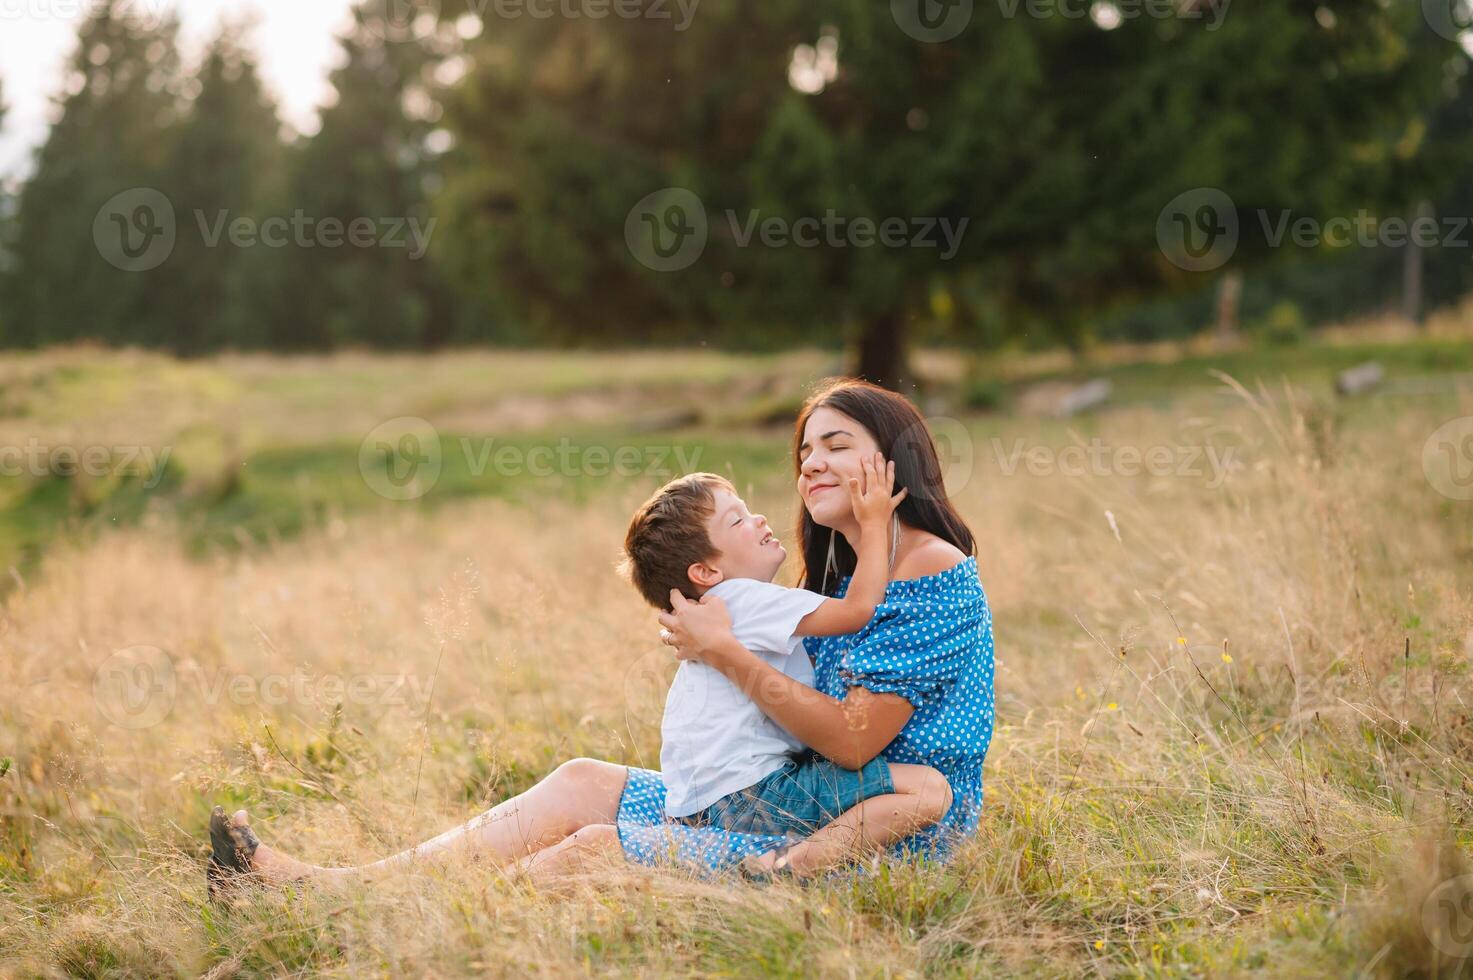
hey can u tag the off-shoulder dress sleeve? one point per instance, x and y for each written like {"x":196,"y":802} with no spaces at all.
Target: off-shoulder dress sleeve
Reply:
{"x":918,"y":643}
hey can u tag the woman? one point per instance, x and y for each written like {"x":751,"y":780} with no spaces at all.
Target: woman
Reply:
{"x":914,"y":685}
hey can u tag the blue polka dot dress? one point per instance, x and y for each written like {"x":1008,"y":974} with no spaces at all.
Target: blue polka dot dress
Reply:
{"x":930,"y":642}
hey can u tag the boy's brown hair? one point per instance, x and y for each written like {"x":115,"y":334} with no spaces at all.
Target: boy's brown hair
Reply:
{"x":668,"y":534}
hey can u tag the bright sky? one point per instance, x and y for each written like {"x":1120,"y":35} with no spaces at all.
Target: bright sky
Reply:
{"x":294,"y":40}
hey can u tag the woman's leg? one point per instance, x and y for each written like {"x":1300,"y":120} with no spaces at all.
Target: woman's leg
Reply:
{"x":921,"y":798}
{"x":578,"y":793}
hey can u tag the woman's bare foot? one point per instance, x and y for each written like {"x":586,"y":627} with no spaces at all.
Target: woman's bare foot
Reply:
{"x":784,"y":861}
{"x":273,"y":867}
{"x":244,"y":857}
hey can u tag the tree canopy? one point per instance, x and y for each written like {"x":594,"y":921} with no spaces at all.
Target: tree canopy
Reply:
{"x":750,"y":174}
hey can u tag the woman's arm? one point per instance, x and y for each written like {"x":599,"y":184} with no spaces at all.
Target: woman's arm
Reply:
{"x":848,"y":733}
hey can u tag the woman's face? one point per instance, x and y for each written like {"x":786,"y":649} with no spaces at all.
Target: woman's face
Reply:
{"x":830,"y":453}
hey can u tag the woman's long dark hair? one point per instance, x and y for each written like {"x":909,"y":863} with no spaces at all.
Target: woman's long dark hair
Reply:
{"x":900,"y":431}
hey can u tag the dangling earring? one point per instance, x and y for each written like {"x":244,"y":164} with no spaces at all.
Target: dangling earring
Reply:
{"x":830,"y":565}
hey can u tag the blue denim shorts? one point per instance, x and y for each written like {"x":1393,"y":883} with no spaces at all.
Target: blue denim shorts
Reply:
{"x":808,"y":792}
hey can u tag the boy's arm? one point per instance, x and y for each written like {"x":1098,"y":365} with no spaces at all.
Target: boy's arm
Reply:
{"x":873,"y":504}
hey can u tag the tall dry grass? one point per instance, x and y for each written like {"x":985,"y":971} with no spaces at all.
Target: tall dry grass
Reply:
{"x":1232,"y":734}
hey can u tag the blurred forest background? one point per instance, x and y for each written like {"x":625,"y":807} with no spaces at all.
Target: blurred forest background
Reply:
{"x":527,"y":141}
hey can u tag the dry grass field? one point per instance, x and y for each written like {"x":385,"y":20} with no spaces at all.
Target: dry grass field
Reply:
{"x":1233,"y":728}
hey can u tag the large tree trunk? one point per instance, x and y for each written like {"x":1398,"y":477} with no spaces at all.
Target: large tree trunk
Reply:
{"x":882,"y":350}
{"x":1411,"y":271}
{"x":1229,"y":295}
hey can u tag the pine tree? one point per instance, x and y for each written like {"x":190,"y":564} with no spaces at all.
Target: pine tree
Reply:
{"x":116,"y":122}
{"x":370,"y":160}
{"x":6,"y":224}
{"x":1058,"y":140}
{"x":226,"y":165}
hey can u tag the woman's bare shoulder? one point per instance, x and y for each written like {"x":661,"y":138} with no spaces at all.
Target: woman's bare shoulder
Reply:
{"x":927,"y":555}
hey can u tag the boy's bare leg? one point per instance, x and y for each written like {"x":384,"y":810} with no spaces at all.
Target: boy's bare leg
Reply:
{"x":921,"y":798}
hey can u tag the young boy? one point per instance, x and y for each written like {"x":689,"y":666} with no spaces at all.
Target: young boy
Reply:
{"x":723,"y":761}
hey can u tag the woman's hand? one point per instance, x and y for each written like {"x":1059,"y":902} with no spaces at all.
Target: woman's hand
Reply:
{"x":695,"y":629}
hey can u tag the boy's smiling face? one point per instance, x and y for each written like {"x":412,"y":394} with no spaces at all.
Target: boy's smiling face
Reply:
{"x":746,"y":545}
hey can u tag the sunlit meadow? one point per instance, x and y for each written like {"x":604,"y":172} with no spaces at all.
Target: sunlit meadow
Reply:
{"x":1233,"y":728}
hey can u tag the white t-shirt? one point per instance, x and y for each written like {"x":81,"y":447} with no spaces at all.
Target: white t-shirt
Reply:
{"x":715,"y":740}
